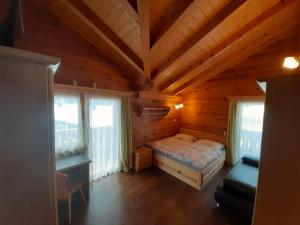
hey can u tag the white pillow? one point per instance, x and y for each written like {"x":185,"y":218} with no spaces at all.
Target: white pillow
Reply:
{"x":185,"y":137}
{"x":209,"y":143}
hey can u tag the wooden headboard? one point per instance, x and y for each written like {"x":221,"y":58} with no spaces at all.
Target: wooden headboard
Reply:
{"x":205,"y":135}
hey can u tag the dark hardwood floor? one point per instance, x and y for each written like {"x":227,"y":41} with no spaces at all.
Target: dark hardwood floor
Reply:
{"x":151,"y":197}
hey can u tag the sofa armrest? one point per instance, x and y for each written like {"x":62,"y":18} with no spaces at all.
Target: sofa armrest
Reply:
{"x":251,"y":160}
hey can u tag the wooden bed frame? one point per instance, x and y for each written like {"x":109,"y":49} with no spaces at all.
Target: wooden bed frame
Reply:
{"x":194,"y":178}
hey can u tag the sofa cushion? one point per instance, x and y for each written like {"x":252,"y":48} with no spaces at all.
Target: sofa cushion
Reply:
{"x":242,"y":207}
{"x":243,"y":180}
{"x":250,"y":160}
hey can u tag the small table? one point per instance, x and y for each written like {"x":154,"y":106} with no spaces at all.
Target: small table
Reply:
{"x":76,"y":167}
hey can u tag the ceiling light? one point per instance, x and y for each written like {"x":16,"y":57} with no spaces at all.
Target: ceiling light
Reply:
{"x":291,"y":62}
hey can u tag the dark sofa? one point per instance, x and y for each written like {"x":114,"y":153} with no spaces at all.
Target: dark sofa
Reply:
{"x":238,"y":189}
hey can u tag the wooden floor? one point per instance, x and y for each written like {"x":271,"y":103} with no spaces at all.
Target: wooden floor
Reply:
{"x":150,"y":197}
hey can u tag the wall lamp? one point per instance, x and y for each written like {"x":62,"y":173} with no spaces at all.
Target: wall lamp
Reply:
{"x":178,"y":106}
{"x":291,"y":62}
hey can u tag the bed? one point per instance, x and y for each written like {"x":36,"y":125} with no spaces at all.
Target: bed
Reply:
{"x":193,"y":162}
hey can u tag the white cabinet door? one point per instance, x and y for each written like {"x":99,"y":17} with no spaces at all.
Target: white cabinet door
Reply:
{"x":26,"y":144}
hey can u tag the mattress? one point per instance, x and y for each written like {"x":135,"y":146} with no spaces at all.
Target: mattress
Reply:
{"x":192,"y":155}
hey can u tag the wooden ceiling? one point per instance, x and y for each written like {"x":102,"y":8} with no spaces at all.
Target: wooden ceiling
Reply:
{"x":264,"y":63}
{"x":179,"y":44}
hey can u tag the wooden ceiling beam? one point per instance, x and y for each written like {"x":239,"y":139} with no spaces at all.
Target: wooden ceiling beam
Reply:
{"x":281,"y":47}
{"x":128,"y":7}
{"x":198,"y":36}
{"x":261,"y":63}
{"x":106,"y":30}
{"x":197,"y":69}
{"x":238,"y":56}
{"x":144,"y":22}
{"x":169,"y":22}
{"x":258,"y":61}
{"x":172,"y":25}
{"x":196,"y":82}
{"x":77,"y":15}
{"x":274,"y":55}
{"x":270,"y":56}
{"x":257,"y":74}
{"x":269,"y":66}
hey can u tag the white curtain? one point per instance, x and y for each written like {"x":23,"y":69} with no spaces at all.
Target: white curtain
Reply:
{"x":68,"y":124}
{"x":103,"y":132}
{"x":249,"y":130}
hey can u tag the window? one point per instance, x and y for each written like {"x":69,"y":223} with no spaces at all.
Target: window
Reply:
{"x":94,"y":124}
{"x":104,"y":134}
{"x":101,"y":115}
{"x":68,"y":124}
{"x":250,"y":116}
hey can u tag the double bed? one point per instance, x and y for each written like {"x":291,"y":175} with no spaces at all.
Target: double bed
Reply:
{"x":191,"y":156}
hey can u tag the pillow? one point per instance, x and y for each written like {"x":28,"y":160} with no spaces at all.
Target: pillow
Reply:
{"x":185,"y":137}
{"x":209,"y":143}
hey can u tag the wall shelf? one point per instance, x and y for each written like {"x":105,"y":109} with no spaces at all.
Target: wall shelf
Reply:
{"x":156,"y":112}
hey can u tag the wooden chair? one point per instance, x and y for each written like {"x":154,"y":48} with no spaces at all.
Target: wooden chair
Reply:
{"x":65,"y":190}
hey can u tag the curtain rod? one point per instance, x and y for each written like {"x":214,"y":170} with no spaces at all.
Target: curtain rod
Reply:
{"x":92,"y":90}
{"x":249,"y":98}
{"x":142,"y":94}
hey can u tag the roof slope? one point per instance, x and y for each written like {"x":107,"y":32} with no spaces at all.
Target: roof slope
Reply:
{"x":179,"y":44}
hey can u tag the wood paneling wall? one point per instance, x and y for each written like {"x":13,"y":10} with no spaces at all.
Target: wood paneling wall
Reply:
{"x":206,"y":109}
{"x":84,"y":63}
{"x":149,"y":129}
{"x":80,"y":60}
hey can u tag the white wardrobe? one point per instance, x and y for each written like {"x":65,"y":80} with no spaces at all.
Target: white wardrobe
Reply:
{"x":27,"y":167}
{"x":277,"y":197}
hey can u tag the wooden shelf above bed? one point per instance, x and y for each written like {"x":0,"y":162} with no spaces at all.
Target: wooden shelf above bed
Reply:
{"x":155,"y":112}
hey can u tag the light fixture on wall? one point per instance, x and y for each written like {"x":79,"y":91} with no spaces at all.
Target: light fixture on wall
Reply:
{"x":291,"y":62}
{"x":178,"y":106}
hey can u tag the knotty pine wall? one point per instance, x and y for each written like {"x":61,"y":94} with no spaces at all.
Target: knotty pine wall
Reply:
{"x":79,"y":60}
{"x":206,"y":108}
{"x":83,"y":62}
{"x":149,"y":129}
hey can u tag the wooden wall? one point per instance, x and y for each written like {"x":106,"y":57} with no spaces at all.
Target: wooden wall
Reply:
{"x":80,"y":60}
{"x":206,"y":108}
{"x":149,"y":129}
{"x":84,"y":63}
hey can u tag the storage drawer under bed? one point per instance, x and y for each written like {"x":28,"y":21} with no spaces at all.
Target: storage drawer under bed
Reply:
{"x":192,"y":177}
{"x":185,"y":174}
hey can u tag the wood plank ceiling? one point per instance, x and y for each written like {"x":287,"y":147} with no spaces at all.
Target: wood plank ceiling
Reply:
{"x":179,"y":44}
